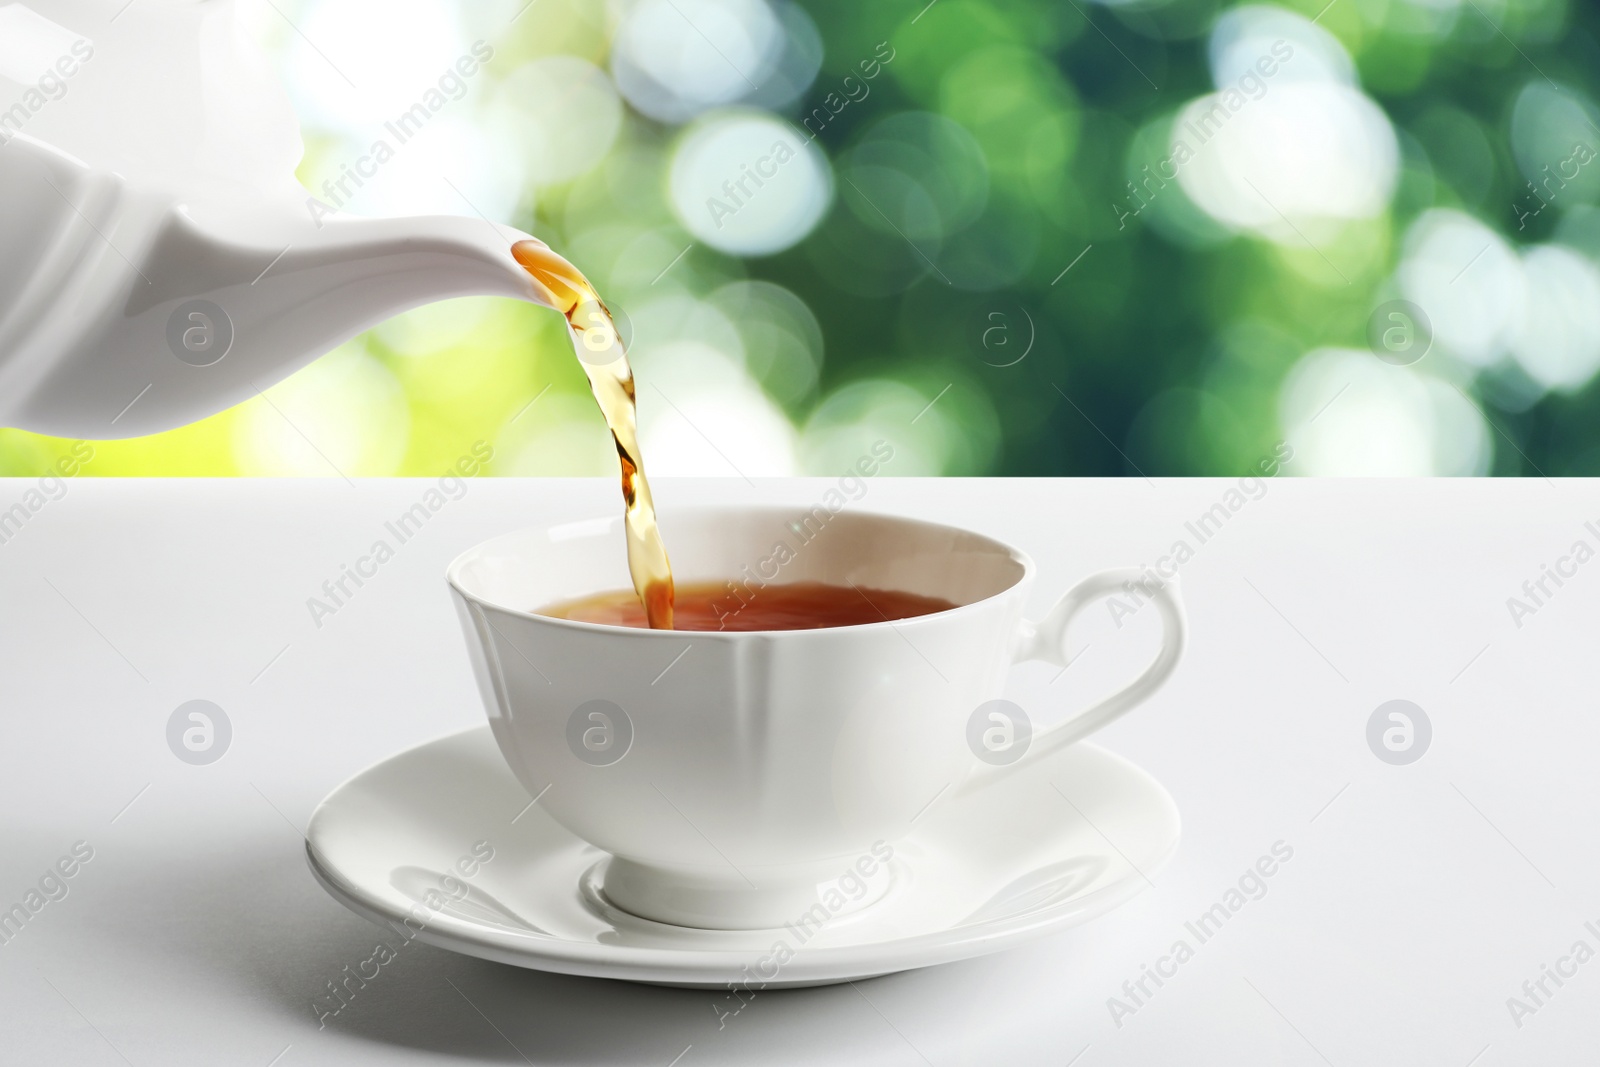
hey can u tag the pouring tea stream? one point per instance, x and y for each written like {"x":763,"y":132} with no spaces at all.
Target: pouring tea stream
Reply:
{"x":162,"y":263}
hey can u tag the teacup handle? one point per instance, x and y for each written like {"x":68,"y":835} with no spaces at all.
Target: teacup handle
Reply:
{"x":1046,"y":640}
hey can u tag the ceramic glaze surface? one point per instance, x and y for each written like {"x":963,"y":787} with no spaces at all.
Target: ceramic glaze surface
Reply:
{"x":984,"y":873}
{"x":162,"y":262}
{"x":751,"y":767}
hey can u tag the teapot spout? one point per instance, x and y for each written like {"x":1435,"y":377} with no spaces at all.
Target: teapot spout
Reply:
{"x":349,"y":274}
{"x":293,"y":294}
{"x":206,"y":319}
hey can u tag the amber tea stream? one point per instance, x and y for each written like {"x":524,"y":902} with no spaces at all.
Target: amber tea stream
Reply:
{"x":605,"y":362}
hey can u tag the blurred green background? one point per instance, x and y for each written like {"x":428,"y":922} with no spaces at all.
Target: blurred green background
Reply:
{"x":1016,"y":237}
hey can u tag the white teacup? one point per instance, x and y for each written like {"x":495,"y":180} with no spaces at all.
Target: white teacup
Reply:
{"x":733,"y":776}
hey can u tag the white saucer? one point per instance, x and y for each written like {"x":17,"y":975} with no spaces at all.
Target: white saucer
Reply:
{"x":1050,"y":847}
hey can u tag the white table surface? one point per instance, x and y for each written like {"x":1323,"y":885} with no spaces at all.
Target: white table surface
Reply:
{"x":1419,"y":898}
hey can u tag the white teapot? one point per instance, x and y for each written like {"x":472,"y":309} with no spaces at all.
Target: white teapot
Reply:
{"x":159,"y":262}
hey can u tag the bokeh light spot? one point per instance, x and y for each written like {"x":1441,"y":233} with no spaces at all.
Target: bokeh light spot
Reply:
{"x":748,"y":183}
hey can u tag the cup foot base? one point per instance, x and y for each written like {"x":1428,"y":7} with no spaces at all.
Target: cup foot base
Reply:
{"x":803,"y":900}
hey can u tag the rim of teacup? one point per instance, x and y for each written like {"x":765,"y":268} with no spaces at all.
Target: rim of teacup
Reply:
{"x":605,"y":523}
